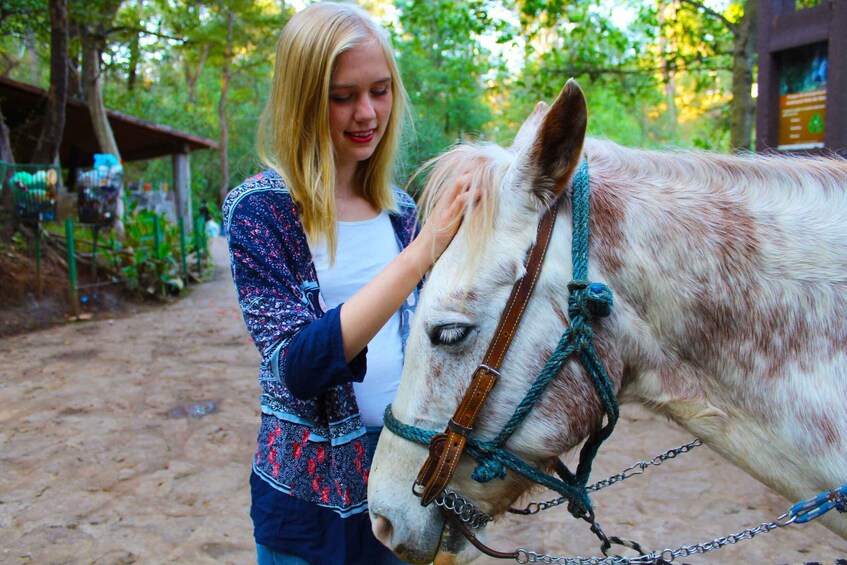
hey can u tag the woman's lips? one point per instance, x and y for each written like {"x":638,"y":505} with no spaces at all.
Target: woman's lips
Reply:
{"x":361,"y":136}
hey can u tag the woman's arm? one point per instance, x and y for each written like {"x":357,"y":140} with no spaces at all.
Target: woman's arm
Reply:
{"x":301,"y":350}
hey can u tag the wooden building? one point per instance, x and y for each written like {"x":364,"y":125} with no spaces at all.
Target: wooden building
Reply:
{"x":802,"y":103}
{"x":23,"y":107}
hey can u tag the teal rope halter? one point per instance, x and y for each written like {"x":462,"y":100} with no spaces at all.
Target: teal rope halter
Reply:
{"x":586,"y":300}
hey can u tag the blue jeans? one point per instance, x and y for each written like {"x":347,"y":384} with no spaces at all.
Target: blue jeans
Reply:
{"x":267,"y":556}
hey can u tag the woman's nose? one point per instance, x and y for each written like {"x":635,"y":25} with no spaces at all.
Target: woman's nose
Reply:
{"x":365,"y":109}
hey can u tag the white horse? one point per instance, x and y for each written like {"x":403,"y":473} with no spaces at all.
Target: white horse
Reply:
{"x":729,"y":276}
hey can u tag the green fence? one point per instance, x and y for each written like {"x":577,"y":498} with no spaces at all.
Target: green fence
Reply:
{"x":154,"y":258}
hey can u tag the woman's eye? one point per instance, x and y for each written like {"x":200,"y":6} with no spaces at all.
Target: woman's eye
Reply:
{"x":381,"y":92}
{"x":449,"y":334}
{"x":341,"y":99}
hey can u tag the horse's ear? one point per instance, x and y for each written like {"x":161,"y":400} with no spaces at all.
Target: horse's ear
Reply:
{"x":557,"y":148}
{"x":530,"y":127}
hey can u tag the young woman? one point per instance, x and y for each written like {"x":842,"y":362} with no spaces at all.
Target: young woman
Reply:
{"x":326,"y":263}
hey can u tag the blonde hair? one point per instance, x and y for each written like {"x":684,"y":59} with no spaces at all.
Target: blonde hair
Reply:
{"x":294,"y":134}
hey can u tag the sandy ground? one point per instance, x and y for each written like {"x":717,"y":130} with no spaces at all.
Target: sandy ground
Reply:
{"x":106,"y":458}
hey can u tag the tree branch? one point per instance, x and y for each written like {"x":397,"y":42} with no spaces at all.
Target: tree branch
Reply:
{"x":145,"y":31}
{"x":710,"y":12}
{"x":576,"y":71}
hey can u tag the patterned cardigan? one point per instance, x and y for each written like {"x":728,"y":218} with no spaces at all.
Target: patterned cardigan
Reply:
{"x":313,"y":449}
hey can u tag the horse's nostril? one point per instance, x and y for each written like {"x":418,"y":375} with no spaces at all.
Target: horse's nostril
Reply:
{"x":382,"y":530}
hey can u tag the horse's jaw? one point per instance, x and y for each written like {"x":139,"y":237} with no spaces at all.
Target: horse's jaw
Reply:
{"x":399,"y":522}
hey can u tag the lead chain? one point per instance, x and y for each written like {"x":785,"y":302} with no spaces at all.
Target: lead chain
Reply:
{"x":635,"y":469}
{"x":667,"y":555}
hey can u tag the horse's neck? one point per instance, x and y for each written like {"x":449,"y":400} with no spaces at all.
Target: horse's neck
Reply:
{"x":718,"y":331}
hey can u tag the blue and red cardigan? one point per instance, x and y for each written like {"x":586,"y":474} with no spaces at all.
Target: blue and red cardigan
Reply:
{"x":311,"y":443}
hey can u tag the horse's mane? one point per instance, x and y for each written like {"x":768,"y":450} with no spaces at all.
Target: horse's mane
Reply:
{"x":772,"y":180}
{"x":784,"y":175}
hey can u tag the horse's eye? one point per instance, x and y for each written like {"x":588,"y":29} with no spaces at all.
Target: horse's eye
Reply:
{"x":449,"y":334}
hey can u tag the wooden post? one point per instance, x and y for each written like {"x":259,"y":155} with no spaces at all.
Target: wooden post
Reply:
{"x":39,"y":285}
{"x":182,"y":186}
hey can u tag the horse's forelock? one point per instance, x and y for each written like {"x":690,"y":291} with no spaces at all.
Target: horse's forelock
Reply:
{"x":486,"y":166}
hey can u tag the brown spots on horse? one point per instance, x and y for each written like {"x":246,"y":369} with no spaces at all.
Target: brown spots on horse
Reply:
{"x":824,"y":430}
{"x":608,"y":211}
{"x":461,"y":300}
{"x":435,"y":370}
{"x":556,"y":306}
{"x":762,"y":336}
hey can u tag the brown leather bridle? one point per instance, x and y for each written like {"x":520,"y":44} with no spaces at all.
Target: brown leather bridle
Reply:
{"x":446,"y":448}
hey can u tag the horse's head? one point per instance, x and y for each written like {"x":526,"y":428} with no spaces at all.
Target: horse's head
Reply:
{"x":456,"y":318}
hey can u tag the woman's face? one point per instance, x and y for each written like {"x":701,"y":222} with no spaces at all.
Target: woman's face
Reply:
{"x":359,"y":103}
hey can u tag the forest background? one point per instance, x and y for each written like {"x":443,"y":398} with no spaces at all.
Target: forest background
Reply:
{"x":656,"y":73}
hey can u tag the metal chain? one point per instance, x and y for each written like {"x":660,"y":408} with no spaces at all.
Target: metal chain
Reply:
{"x":463,"y":508}
{"x":635,"y":469}
{"x":667,"y":555}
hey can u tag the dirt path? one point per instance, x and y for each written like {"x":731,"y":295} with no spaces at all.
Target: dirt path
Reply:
{"x":104,"y":458}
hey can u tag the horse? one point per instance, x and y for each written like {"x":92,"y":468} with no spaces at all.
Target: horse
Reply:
{"x":729,"y":281}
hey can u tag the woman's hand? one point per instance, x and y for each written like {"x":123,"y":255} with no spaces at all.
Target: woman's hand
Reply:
{"x":443,"y":222}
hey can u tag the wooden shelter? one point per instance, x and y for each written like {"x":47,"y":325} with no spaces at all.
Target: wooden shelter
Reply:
{"x":802,"y":76}
{"x":23,"y":108}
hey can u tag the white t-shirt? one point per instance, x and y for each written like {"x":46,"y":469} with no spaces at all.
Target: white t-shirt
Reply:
{"x":364,"y":249}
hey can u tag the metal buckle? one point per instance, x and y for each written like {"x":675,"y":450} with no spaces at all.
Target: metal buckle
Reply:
{"x":491,"y":370}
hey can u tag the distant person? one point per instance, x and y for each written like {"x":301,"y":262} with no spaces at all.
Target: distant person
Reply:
{"x":326,"y":266}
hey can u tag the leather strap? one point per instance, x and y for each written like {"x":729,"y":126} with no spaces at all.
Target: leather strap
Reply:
{"x":446,"y":448}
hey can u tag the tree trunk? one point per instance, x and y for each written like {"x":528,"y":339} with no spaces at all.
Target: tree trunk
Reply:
{"x":222,"y":109}
{"x":75,"y":88}
{"x":5,"y":155}
{"x":668,"y":50}
{"x":744,"y":54}
{"x":32,"y":55}
{"x":134,"y":55}
{"x":47,"y":148}
{"x":99,"y":119}
{"x":94,"y":97}
{"x":5,"y":142}
{"x":191,"y":78}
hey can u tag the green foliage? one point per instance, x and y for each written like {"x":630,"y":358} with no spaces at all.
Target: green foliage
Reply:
{"x":178,"y":80}
{"x":443,"y":62}
{"x":149,"y":257}
{"x":657,"y":77}
{"x":25,"y":41}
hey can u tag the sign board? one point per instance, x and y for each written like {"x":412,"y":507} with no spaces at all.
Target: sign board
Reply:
{"x":802,"y":97}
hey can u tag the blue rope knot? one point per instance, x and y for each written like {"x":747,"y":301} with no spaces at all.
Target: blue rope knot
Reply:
{"x":592,"y":300}
{"x":599,"y":300}
{"x":487,"y":470}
